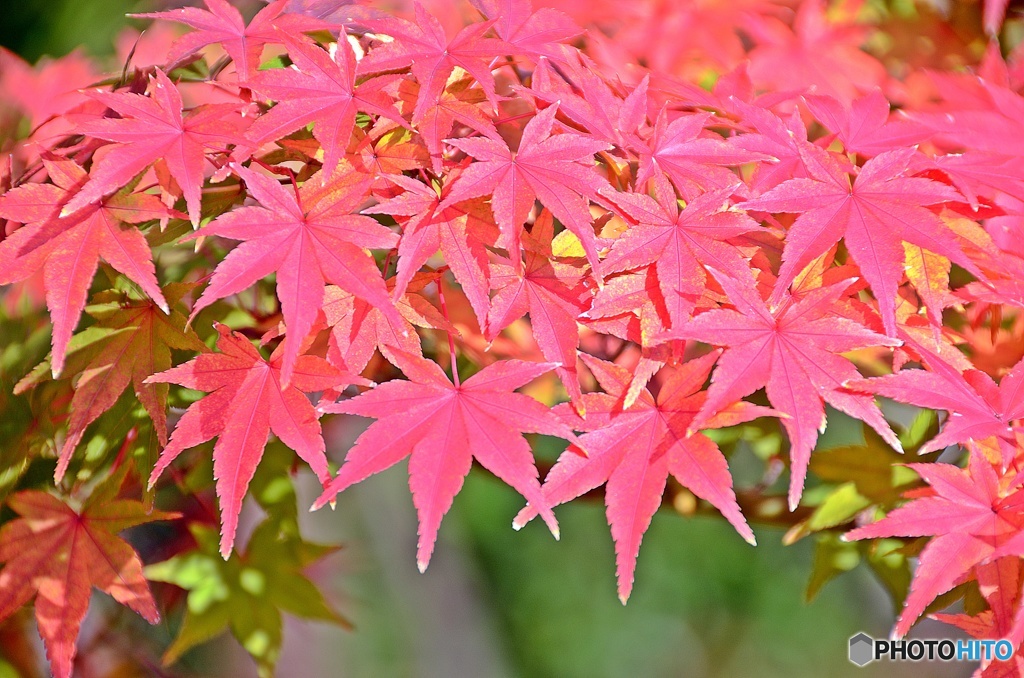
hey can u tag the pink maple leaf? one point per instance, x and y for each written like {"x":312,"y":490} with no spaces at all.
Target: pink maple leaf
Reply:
{"x":556,"y":169}
{"x":155,"y":129}
{"x":791,"y":350}
{"x":309,"y":237}
{"x":634,"y":449}
{"x":247,"y":400}
{"x":442,"y":426}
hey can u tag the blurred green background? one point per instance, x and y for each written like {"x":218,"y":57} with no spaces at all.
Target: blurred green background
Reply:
{"x":34,"y":28}
{"x":496,"y":603}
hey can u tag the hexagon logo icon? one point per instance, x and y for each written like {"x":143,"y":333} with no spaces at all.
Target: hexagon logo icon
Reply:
{"x":862,"y":649}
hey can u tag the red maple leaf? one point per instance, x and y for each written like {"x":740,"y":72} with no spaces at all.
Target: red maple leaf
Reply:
{"x":154,"y":129}
{"x":533,"y":34}
{"x":357,"y":328}
{"x":791,"y":350}
{"x":694,"y":160}
{"x":57,"y":554}
{"x":321,"y":89}
{"x":679,"y":243}
{"x":67,"y":249}
{"x":982,"y":174}
{"x":459,"y":102}
{"x":337,"y":11}
{"x":383,"y":152}
{"x":630,"y":306}
{"x":136,"y":341}
{"x":863,"y":125}
{"x":442,"y":426}
{"x":977,"y":407}
{"x":634,"y":449}
{"x":556,"y":169}
{"x":772,"y":138}
{"x":999,"y":583}
{"x":308,"y":237}
{"x":586,"y":98}
{"x":874,"y":214}
{"x":425,"y":49}
{"x":975,"y":114}
{"x":816,"y":52}
{"x":552,"y":292}
{"x":433,"y":224}
{"x":224,"y":25}
{"x":248,"y":400}
{"x":972,"y":517}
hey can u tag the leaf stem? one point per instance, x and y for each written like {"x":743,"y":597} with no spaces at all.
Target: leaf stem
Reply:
{"x":451,"y":341}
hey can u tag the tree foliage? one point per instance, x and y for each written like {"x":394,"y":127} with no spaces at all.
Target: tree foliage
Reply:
{"x":663,"y":243}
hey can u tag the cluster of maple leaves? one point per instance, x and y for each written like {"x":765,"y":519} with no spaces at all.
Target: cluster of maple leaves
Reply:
{"x":380,"y":201}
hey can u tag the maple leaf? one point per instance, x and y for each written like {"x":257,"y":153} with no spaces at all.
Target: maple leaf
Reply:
{"x":929,"y":274}
{"x":384,"y":152}
{"x":67,"y":249}
{"x":309,"y":237}
{"x":459,"y":102}
{"x":630,"y":307}
{"x":678,"y":243}
{"x":977,"y":407}
{"x":247,"y":402}
{"x":552,"y":293}
{"x":442,"y":426}
{"x":790,"y":350}
{"x":978,"y":174}
{"x":357,"y":328}
{"x":530,"y":33}
{"x":245,"y":593}
{"x":863,"y":125}
{"x":681,"y":152}
{"x":336,"y":11}
{"x":586,"y":98}
{"x":57,"y":554}
{"x":153,"y":129}
{"x":423,"y":47}
{"x":673,"y":39}
{"x":321,"y":89}
{"x":815,"y":52}
{"x":999,"y":583}
{"x":774,"y":138}
{"x":556,"y":169}
{"x":972,"y":517}
{"x":224,"y":25}
{"x":47,"y":89}
{"x":874,"y":215}
{"x":136,"y":341}
{"x":976,"y":115}
{"x":634,"y":450}
{"x":435,"y":223}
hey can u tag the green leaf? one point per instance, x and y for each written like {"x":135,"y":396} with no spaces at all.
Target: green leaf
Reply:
{"x":889,"y":563}
{"x":876,"y":470}
{"x":842,"y":504}
{"x":832,"y":557}
{"x":247,"y":592}
{"x":197,"y":629}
